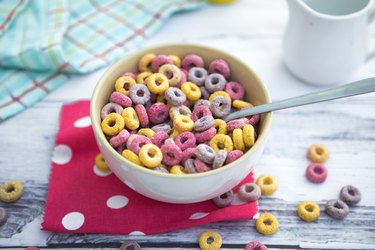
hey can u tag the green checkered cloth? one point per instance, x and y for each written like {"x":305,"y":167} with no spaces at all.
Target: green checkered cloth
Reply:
{"x":44,"y":43}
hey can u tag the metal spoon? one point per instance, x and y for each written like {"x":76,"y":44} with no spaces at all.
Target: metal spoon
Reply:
{"x":355,"y":88}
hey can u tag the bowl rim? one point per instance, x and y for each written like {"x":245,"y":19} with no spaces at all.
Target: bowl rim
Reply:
{"x":104,"y":142}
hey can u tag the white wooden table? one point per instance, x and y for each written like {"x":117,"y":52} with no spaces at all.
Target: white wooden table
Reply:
{"x":251,"y":30}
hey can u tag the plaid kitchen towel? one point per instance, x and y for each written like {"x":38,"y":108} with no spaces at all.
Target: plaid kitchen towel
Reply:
{"x":43,"y":43}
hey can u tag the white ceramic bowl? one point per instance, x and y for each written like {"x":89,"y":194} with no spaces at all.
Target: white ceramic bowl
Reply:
{"x":188,"y":188}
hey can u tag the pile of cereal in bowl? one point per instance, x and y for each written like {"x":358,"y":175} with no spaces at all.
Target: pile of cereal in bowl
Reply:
{"x":169,"y":116}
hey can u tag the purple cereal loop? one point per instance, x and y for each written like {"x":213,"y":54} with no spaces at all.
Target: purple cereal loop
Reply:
{"x":205,"y":135}
{"x":224,"y":200}
{"x":219,"y":159}
{"x":139,"y":94}
{"x":142,"y":115}
{"x":121,"y":99}
{"x":235,"y":90}
{"x":215,"y":82}
{"x":197,"y":75}
{"x":204,"y":123}
{"x":130,"y":139}
{"x":254,"y":119}
{"x":120,"y":139}
{"x":159,"y":138}
{"x":205,"y":153}
{"x":220,"y":106}
{"x":200,"y":111}
{"x":110,"y":108}
{"x":200,"y":166}
{"x":162,"y":127}
{"x":138,"y":142}
{"x":192,"y":60}
{"x":337,"y":209}
{"x":206,"y":103}
{"x":233,"y":155}
{"x":158,"y":113}
{"x":175,"y":96}
{"x":205,"y":93}
{"x":188,"y":153}
{"x":316,"y":173}
{"x":130,"y":245}
{"x":255,"y":245}
{"x":159,"y":61}
{"x":161,"y":170}
{"x":130,"y":74}
{"x":237,"y":123}
{"x":350,"y":195}
{"x":189,"y":166}
{"x":185,"y":140}
{"x":172,"y":154}
{"x":219,"y":66}
{"x":249,"y":192}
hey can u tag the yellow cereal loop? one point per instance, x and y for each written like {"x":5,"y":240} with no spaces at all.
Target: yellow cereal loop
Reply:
{"x":210,"y":240}
{"x":141,"y":77}
{"x":161,"y":98}
{"x":174,"y":133}
{"x":130,"y":118}
{"x":149,"y":133}
{"x":239,"y":104}
{"x":308,"y":211}
{"x":221,"y":141}
{"x":238,"y":139}
{"x":150,"y":155}
{"x":177,"y":169}
{"x":123,"y":84}
{"x":183,"y":123}
{"x":221,"y":126}
{"x":101,"y":164}
{"x":248,"y":135}
{"x":11,"y":191}
{"x":317,"y":153}
{"x":267,"y":224}
{"x":192,"y":91}
{"x":112,"y":124}
{"x":219,"y":93}
{"x":267,"y":184}
{"x":176,"y":60}
{"x":131,"y":156}
{"x":157,"y":83}
{"x":144,"y":63}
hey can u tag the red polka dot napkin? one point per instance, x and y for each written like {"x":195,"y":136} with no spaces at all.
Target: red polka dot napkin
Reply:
{"x":83,"y":199}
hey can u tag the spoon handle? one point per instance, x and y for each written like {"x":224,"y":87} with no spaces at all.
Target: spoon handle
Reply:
{"x":355,"y":88}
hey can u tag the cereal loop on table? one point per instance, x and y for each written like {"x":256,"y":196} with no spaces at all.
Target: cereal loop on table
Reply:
{"x":238,"y":139}
{"x":130,"y":118}
{"x":249,"y":192}
{"x":129,"y":155}
{"x":267,"y":224}
{"x":219,"y":93}
{"x":172,"y":73}
{"x":267,"y":184}
{"x":255,"y":245}
{"x":123,"y":84}
{"x":350,"y":195}
{"x":150,"y":155}
{"x":149,"y":133}
{"x":112,"y":124}
{"x":183,"y":123}
{"x":224,"y":200}
{"x":157,"y":83}
{"x":221,"y":126}
{"x":11,"y":191}
{"x":308,"y":211}
{"x":210,"y":240}
{"x":337,"y":209}
{"x":130,"y":245}
{"x":144,"y":63}
{"x":317,"y":153}
{"x":191,"y":90}
{"x":248,"y":133}
{"x":101,"y":164}
{"x":177,"y":169}
{"x":221,"y":141}
{"x":316,"y":173}
{"x":3,"y":216}
{"x":239,"y":104}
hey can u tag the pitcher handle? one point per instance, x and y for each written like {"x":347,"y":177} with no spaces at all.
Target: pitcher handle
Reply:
{"x":371,"y":18}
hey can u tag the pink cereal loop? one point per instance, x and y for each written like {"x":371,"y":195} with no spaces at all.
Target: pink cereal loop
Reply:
{"x":120,"y":139}
{"x":158,"y":113}
{"x":235,"y":90}
{"x":130,"y":74}
{"x":200,"y":166}
{"x":187,"y":154}
{"x":233,"y":155}
{"x":142,"y":115}
{"x":237,"y":123}
{"x":172,"y":154}
{"x":200,"y":111}
{"x":159,"y":61}
{"x":159,"y":138}
{"x":185,"y":140}
{"x":120,"y":99}
{"x":205,"y":136}
{"x":192,"y":60}
{"x":219,"y":66}
{"x":138,"y":142}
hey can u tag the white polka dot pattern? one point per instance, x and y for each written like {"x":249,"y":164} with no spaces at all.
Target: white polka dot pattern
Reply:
{"x":73,"y":220}
{"x":62,"y":154}
{"x":117,"y":202}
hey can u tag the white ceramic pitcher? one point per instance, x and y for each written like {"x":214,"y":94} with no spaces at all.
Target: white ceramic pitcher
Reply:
{"x":327,"y":40}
